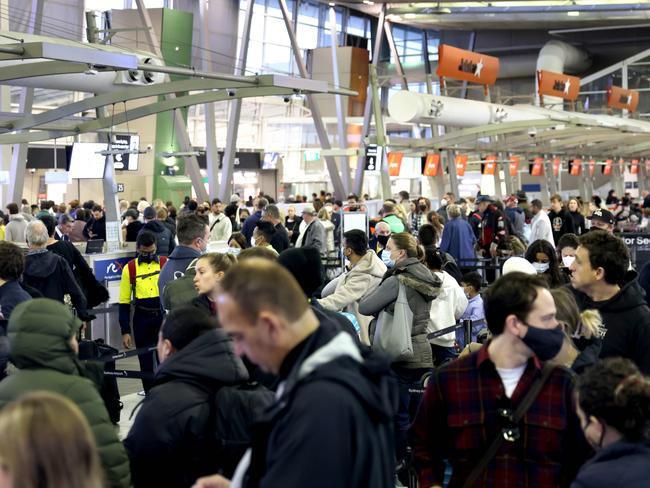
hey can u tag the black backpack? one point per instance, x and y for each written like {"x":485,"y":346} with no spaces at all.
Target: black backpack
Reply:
{"x":234,"y":410}
{"x":180,"y":290}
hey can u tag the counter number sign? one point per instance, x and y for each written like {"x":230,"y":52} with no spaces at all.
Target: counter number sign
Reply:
{"x":120,"y":188}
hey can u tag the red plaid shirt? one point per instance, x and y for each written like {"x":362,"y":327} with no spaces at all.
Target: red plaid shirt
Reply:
{"x":463,"y":411}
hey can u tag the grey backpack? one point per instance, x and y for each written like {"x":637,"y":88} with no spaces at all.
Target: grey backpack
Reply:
{"x":180,"y":291}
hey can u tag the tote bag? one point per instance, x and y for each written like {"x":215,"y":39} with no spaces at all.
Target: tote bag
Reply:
{"x":393,"y":331}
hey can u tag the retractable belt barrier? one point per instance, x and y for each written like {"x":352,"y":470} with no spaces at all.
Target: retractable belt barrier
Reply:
{"x":466,"y":325}
{"x":123,"y":373}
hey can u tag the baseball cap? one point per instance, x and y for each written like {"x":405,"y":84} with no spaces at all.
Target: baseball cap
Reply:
{"x":518,"y":264}
{"x":602,"y":215}
{"x":484,"y":198}
{"x":149,"y":213}
{"x":234,"y":198}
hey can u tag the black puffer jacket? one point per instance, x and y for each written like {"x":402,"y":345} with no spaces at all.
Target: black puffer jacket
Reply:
{"x":168,"y":444}
{"x":164,"y":239}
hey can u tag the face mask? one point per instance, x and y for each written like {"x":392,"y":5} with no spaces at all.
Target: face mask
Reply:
{"x":545,"y":343}
{"x":568,"y":261}
{"x":443,"y":202}
{"x":423,"y":208}
{"x":147,"y":257}
{"x":540,"y":267}
{"x":383,"y":240}
{"x":385,"y":257}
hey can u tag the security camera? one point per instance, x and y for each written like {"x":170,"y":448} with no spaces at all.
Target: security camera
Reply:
{"x":532,"y":132}
{"x":149,"y":147}
{"x":32,"y":171}
{"x":287,"y":99}
{"x":231,"y":92}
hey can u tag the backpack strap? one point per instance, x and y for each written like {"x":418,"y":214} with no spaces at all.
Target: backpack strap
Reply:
{"x":132,"y":275}
{"x":162,"y":260}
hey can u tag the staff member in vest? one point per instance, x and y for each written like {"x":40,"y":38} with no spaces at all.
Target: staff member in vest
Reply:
{"x":142,"y":291}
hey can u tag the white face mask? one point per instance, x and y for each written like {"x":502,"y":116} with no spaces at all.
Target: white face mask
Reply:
{"x":443,"y":202}
{"x":540,"y":267}
{"x":568,"y":261}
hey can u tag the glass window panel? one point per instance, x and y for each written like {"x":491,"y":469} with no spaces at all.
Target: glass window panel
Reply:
{"x":276,"y":31}
{"x":276,"y":58}
{"x":308,"y":14}
{"x":307,"y":36}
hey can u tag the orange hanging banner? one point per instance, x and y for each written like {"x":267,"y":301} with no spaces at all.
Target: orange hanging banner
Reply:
{"x":490,"y":164}
{"x":576,"y":167}
{"x":537,"y":169}
{"x":431,"y":165}
{"x":592,"y":167}
{"x":558,"y":85}
{"x":460,"y":64}
{"x":634,"y":167}
{"x":622,"y":98}
{"x":514,"y":165}
{"x":557,"y":162}
{"x":394,"y":163}
{"x":607,"y":169}
{"x":461,"y":164}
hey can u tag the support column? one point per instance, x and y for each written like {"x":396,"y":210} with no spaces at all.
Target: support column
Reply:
{"x":367,"y":112}
{"x":453,"y":177}
{"x":340,"y":116}
{"x":19,"y":154}
{"x":506,"y":173}
{"x":381,"y":134}
{"x":5,"y":106}
{"x":550,"y":179}
{"x":228,"y":162}
{"x":332,"y":167}
{"x":180,"y":128}
{"x":211,"y":154}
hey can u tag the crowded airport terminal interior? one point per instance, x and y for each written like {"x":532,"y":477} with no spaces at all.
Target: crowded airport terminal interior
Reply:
{"x":324,"y":244}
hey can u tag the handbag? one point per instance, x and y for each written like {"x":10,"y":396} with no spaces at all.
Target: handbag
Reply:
{"x":523,"y":407}
{"x":392,"y":336}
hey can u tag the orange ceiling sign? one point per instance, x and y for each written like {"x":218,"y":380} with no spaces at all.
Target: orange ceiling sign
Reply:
{"x":461,"y":163}
{"x":460,"y":64}
{"x":557,"y":162}
{"x":538,"y":167}
{"x":394,"y":163}
{"x":514,"y":165}
{"x":607,"y":169}
{"x":558,"y":85}
{"x":576,"y":167}
{"x":431,"y":165}
{"x":618,"y":97}
{"x":490,"y":164}
{"x":634,"y":167}
{"x":592,"y":167}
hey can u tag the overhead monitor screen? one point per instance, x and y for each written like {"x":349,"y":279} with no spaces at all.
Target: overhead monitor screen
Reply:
{"x":126,"y":142}
{"x":270,"y":160}
{"x":85,"y":163}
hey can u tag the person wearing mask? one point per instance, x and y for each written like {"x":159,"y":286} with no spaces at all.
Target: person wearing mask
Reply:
{"x":566,"y":249}
{"x":446,"y":309}
{"x":280,"y":240}
{"x":583,"y":332}
{"x":457,"y":425}
{"x":575,"y":210}
{"x":598,"y":282}
{"x":314,"y":233}
{"x":541,"y":224}
{"x":15,"y":229}
{"x":95,"y":228}
{"x":193,"y":237}
{"x":43,"y":338}
{"x":292,"y":223}
{"x":77,"y":232}
{"x":164,"y":240}
{"x":421,"y":288}
{"x":544,"y":259}
{"x":561,"y":219}
{"x":447,"y":199}
{"x":176,"y":417}
{"x":379,"y":238}
{"x":389,"y":215}
{"x":493,"y":226}
{"x":263,"y":235}
{"x":49,"y":273}
{"x":614,"y":410}
{"x":249,"y":225}
{"x":40,"y":423}
{"x":516,"y":216}
{"x":220,"y":224}
{"x":138,"y":287}
{"x":330,"y":400}
{"x":475,"y":312}
{"x":602,"y":219}
{"x":210,"y":269}
{"x":365,"y":273}
{"x":457,"y":237}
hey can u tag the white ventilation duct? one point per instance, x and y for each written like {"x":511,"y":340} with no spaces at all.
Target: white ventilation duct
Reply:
{"x":560,"y":57}
{"x":100,"y":82}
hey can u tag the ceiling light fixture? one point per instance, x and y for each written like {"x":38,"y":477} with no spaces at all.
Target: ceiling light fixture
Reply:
{"x":410,"y":15}
{"x":368,"y":2}
{"x":573,"y":13}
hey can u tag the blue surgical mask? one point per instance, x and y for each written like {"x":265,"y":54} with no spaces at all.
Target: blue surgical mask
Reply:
{"x":385,"y":257}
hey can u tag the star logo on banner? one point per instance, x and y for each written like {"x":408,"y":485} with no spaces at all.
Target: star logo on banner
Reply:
{"x":567,"y":86}
{"x":479,"y":68}
{"x":629,"y":100}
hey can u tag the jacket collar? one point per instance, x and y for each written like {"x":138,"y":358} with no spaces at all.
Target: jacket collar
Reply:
{"x":483,"y":356}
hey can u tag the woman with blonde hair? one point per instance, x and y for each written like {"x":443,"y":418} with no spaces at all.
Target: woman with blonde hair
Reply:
{"x":210,"y":269}
{"x":583,"y":331}
{"x":47,"y":443}
{"x":326,"y":219}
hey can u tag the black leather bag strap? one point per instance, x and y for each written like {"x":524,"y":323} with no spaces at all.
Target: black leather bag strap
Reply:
{"x":523,"y":407}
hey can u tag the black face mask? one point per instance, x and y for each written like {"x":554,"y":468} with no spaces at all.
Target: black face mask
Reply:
{"x":383,"y":240}
{"x":422,"y":208}
{"x":545,"y":343}
{"x":147,"y":257}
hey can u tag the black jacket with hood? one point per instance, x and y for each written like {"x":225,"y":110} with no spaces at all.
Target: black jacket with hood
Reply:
{"x":626,"y":317}
{"x":332,"y":424}
{"x":50,"y":274}
{"x":170,"y":443}
{"x":164,"y":239}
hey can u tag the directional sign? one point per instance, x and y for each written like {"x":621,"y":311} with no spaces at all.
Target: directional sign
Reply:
{"x":373,"y":157}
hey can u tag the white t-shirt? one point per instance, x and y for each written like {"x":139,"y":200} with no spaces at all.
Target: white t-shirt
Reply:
{"x":510,"y":377}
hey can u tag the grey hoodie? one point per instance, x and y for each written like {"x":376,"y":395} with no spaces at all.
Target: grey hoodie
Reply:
{"x":15,"y":229}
